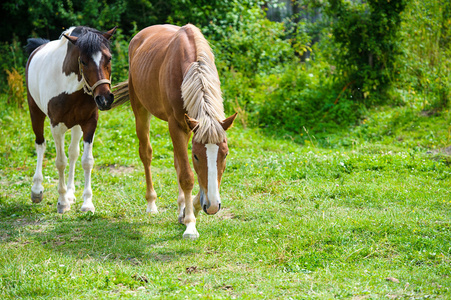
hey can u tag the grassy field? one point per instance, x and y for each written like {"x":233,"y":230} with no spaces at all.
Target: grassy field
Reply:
{"x":365,"y":216}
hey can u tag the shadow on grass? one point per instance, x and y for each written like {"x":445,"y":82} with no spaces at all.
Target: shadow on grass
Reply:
{"x":92,"y":236}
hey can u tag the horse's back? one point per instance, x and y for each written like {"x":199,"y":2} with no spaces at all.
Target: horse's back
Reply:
{"x":159,"y":56}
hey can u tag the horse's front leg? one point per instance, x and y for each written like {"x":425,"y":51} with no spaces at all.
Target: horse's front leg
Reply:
{"x":61,"y":162}
{"x":87,"y":162}
{"x":74,"y":152}
{"x":185,"y":178}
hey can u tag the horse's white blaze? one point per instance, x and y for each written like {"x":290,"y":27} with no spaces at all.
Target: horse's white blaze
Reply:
{"x":49,"y":61}
{"x":212,"y":169}
{"x":96,"y":57}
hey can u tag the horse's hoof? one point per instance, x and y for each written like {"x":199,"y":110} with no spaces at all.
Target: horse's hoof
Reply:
{"x":152,"y":209}
{"x":191,"y":232}
{"x":61,"y":209}
{"x":88,"y":208}
{"x":190,"y":236}
{"x":36,"y":198}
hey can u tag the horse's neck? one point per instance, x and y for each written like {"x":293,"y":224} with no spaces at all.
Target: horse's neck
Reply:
{"x":70,"y":63}
{"x":52,"y":74}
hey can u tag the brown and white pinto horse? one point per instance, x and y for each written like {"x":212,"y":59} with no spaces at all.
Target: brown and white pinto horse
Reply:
{"x":173,"y":77}
{"x":68,"y":80}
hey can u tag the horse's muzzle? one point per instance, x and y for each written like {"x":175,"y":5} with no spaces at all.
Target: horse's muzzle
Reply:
{"x":207,"y":206}
{"x":104,"y":103}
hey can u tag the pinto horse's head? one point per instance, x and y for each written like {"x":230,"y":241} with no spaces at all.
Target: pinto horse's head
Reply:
{"x":94,"y":62}
{"x":209,"y":160}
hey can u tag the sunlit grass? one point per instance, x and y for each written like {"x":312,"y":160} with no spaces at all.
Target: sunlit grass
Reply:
{"x":369,"y":220}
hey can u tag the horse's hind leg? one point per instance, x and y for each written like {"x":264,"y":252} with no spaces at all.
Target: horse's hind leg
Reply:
{"x":61,"y":162}
{"x":37,"y":122}
{"x":74,"y":152}
{"x":142,"y":119}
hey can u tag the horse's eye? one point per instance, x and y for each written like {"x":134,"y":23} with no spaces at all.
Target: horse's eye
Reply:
{"x":195,"y":157}
{"x":83,"y":63}
{"x":225,"y":156}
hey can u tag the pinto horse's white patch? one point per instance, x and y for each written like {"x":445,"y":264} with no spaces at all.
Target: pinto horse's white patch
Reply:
{"x":96,"y":57}
{"x":46,"y":78}
{"x":212,"y":165}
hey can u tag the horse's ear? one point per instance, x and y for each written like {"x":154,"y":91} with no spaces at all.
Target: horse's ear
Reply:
{"x":110,"y":33}
{"x":227,"y":123}
{"x":192,"y":123}
{"x":72,"y":39}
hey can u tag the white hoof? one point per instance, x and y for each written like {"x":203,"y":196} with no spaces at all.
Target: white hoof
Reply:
{"x":190,"y":236}
{"x":191,"y":232}
{"x":86,"y":208}
{"x":62,"y":208}
{"x":37,"y":197}
{"x":152,"y":208}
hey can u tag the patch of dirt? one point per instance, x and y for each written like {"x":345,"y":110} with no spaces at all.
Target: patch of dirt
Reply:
{"x":120,"y":170}
{"x":429,"y":113}
{"x":140,"y":278}
{"x":226,"y":214}
{"x":445,"y":151}
{"x":192,"y":269}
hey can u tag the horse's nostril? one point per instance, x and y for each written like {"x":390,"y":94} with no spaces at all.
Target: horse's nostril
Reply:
{"x":99,"y":99}
{"x":205,"y":207}
{"x":219,"y":207}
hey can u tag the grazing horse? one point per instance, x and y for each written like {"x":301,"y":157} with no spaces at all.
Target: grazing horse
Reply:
{"x":68,"y":80}
{"x":172,"y":76}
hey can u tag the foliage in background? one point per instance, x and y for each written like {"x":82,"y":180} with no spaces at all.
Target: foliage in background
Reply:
{"x":16,"y":91}
{"x":318,"y":69}
{"x":366,"y":45}
{"x":425,"y":66}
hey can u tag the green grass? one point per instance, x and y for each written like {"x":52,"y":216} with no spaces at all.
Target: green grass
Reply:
{"x":298,"y":221}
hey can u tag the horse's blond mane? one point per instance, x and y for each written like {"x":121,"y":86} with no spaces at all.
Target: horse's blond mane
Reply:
{"x":201,"y":93}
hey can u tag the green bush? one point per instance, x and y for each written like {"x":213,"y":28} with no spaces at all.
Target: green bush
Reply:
{"x":426,"y":62}
{"x":366,"y":45}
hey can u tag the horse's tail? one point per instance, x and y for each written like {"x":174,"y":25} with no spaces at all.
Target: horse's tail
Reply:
{"x":34,"y":43}
{"x":121,"y":94}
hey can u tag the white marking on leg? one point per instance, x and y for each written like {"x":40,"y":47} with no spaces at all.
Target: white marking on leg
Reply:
{"x":96,"y":57}
{"x":61,"y":162}
{"x":190,"y":220}
{"x":37,"y":189}
{"x":151,"y":206}
{"x":87,"y":162}
{"x":213,"y":187}
{"x":74,"y":152}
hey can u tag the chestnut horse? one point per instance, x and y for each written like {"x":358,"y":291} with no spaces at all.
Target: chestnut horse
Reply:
{"x":173,"y":77}
{"x":68,"y":80}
